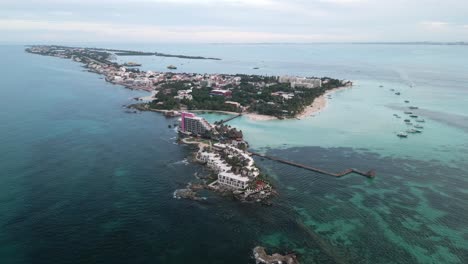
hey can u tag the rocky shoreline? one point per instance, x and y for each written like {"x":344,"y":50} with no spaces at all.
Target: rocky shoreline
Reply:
{"x":261,"y":257}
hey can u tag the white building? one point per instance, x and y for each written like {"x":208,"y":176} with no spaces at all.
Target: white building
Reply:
{"x":232,"y":180}
{"x":225,"y":175}
{"x":184,"y":94}
{"x":301,"y":82}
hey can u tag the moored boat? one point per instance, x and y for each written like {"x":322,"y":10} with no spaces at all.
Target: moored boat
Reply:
{"x":420,"y":120}
{"x":402,"y":135}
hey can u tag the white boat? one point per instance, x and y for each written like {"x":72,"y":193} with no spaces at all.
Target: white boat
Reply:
{"x":402,"y":135}
{"x":418,"y":126}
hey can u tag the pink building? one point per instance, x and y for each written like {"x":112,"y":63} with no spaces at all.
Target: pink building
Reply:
{"x":190,"y":123}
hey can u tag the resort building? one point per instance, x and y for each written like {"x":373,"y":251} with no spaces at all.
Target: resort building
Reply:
{"x":232,"y":180}
{"x":190,"y":123}
{"x":219,"y":92}
{"x":226,"y":176}
{"x":306,"y":83}
{"x":301,"y":82}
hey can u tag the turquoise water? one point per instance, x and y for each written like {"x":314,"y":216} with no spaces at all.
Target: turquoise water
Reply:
{"x":84,"y":182}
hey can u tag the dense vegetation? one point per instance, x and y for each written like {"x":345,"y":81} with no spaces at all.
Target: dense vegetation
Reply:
{"x":257,"y":98}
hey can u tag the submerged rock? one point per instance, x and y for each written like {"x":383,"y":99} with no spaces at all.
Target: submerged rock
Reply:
{"x":261,"y":257}
{"x":190,"y":192}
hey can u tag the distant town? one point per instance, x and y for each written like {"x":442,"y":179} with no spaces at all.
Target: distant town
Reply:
{"x":277,"y":96}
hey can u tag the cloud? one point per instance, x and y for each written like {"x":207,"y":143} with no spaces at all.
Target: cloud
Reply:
{"x":147,"y":33}
{"x":307,"y":20}
{"x":341,"y":2}
{"x":435,"y":24}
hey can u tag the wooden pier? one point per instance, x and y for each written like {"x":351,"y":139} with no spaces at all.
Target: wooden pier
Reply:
{"x":370,"y":174}
{"x":229,"y":119}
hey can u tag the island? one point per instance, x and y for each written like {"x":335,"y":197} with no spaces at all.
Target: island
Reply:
{"x":231,"y":170}
{"x":257,"y":96}
{"x":220,"y":147}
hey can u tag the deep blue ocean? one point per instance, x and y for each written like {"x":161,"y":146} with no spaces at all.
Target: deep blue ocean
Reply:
{"x":82,"y":181}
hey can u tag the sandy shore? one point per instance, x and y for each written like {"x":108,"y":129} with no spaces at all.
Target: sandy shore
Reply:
{"x":319,"y":104}
{"x":251,"y":116}
{"x":214,"y":111}
{"x":150,"y":97}
{"x":258,"y":117}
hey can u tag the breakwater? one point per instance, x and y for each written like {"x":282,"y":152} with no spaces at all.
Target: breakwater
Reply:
{"x":369,"y":174}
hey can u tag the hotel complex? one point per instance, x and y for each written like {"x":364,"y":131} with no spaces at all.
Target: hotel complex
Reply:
{"x":301,"y":82}
{"x":190,"y":123}
{"x":226,"y":174}
{"x":234,"y":167}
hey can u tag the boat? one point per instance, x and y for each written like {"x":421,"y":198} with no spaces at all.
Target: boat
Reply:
{"x":402,"y":135}
{"x":172,"y":67}
{"x":398,"y":93}
{"x":381,"y":86}
{"x":256,"y":68}
{"x":392,"y":90}
{"x":131,"y":64}
{"x":412,"y":131}
{"x":406,"y":101}
{"x":418,"y":126}
{"x":409,"y":123}
{"x":397,"y":116}
{"x":413,"y":107}
{"x":408,"y":112}
{"x":407,"y":120}
{"x":420,"y":120}
{"x":413,"y":116}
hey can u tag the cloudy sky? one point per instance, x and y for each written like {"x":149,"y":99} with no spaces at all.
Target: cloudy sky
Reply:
{"x":232,"y":20}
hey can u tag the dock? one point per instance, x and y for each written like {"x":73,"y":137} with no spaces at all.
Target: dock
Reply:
{"x":370,"y":174}
{"x":229,"y":119}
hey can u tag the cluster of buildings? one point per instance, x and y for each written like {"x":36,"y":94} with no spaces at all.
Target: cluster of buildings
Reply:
{"x":228,"y":176}
{"x":284,"y":95}
{"x":99,"y":62}
{"x":218,"y":156}
{"x":184,"y":94}
{"x":300,"y":82}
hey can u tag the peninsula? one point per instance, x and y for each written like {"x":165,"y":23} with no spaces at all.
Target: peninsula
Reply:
{"x":232,"y":169}
{"x":260,"y":97}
